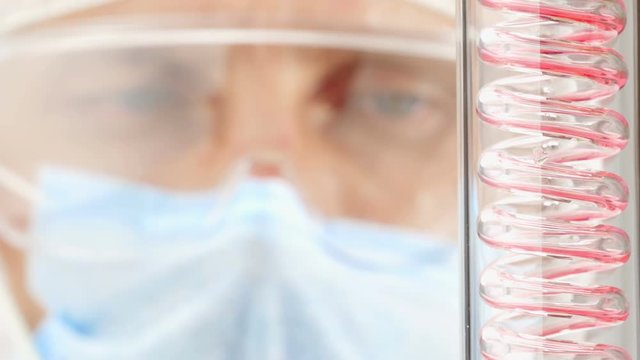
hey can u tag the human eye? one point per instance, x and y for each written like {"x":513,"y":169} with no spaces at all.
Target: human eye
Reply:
{"x":390,"y":104}
{"x":372,"y":91}
{"x":150,"y":99}
{"x":140,"y":99}
{"x":391,"y":94}
{"x":382,"y":100}
{"x":385,"y":103}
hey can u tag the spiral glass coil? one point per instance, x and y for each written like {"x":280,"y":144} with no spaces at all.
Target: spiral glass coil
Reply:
{"x":554,"y":221}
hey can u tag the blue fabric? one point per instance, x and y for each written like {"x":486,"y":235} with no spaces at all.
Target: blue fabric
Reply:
{"x":129,"y":272}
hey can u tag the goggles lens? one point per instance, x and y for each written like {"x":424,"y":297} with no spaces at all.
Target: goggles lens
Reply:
{"x":366,"y":133}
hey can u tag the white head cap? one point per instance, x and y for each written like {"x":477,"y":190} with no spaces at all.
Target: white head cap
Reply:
{"x":18,"y":13}
{"x":446,"y":7}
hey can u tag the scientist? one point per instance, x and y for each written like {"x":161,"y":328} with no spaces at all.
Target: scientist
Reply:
{"x":233,"y":180}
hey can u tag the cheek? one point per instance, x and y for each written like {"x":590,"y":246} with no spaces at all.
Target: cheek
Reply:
{"x":437,"y":202}
{"x":340,"y":185}
{"x":355,"y":179}
{"x":317,"y":173}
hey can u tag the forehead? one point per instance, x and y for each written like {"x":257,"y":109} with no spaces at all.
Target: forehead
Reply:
{"x":394,"y":15}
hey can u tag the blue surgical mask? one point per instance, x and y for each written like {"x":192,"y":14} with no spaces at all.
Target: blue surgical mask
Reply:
{"x":129,"y":272}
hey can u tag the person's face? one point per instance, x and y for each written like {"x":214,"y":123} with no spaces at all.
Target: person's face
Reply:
{"x":361,"y":135}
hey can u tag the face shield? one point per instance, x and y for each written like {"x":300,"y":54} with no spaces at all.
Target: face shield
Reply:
{"x":231,"y":180}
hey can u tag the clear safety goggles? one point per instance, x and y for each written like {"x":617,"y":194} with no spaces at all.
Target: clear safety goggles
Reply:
{"x":362,"y":123}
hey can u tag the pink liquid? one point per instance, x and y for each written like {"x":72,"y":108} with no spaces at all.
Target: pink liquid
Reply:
{"x":601,"y":20}
{"x":552,"y":246}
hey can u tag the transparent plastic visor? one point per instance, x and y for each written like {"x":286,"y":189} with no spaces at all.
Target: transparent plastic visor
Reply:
{"x":84,"y":39}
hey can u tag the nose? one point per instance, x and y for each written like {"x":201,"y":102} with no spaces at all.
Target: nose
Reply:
{"x":263,"y":104}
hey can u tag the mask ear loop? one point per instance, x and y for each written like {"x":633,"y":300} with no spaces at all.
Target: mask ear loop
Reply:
{"x":19,"y":186}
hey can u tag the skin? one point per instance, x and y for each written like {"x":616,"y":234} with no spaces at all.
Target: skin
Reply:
{"x":295,"y":127}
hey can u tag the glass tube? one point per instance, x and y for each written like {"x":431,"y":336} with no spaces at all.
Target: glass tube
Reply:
{"x":550,"y":130}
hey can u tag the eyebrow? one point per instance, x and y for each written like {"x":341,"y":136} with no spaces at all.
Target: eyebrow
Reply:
{"x":430,"y":69}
